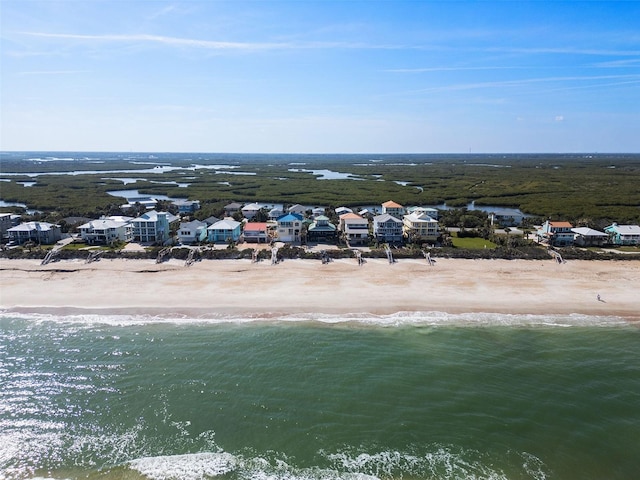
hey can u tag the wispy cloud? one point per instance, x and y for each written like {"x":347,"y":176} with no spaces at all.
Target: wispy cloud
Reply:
{"x":448,"y":69}
{"x":209,"y":44}
{"x":526,"y":81}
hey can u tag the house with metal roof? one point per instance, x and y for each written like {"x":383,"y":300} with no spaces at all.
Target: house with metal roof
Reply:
{"x":588,"y":237}
{"x":225,"y":230}
{"x":153,"y":227}
{"x":624,"y":234}
{"x":321,"y":230}
{"x":107,"y":230}
{"x":387,"y":228}
{"x":38,"y":232}
{"x":289,"y":227}
{"x":420,"y":226}
{"x":192,"y":232}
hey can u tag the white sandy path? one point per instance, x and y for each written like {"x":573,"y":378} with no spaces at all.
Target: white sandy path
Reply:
{"x":240,"y":287}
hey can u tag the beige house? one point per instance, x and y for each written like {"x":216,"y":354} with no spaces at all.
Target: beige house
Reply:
{"x":420,"y":226}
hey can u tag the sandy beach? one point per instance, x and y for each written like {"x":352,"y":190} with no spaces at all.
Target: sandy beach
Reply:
{"x":239,"y":287}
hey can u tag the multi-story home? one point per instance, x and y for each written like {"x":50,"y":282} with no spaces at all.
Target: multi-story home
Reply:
{"x":186,"y":207}
{"x":107,"y":230}
{"x":624,"y":234}
{"x":289,"y":227}
{"x":192,"y":232}
{"x":256,"y":232}
{"x":420,"y":226}
{"x":153,"y":227}
{"x":432,"y":212}
{"x":39,"y":232}
{"x":556,"y":234}
{"x":321,"y":230}
{"x":224,"y":230}
{"x":387,"y":228}
{"x":5,"y":223}
{"x":354,"y":228}
{"x":297,"y":208}
{"x":394,"y":209}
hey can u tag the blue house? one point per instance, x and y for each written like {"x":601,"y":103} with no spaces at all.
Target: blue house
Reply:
{"x":224,"y":230}
{"x":624,"y":234}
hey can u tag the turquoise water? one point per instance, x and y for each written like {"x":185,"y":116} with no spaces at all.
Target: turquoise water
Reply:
{"x":425,"y":396}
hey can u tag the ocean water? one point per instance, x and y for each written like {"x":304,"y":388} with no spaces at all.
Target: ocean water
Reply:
{"x":412,"y":396}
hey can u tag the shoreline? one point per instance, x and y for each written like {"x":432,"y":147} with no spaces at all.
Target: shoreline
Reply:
{"x":218,"y":288}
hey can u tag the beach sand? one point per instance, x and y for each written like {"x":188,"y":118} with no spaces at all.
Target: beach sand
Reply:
{"x":239,"y":287}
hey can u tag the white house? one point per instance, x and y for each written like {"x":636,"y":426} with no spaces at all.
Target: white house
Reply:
{"x":354,"y":228}
{"x":251,"y":210}
{"x":39,"y":232}
{"x":557,"y":234}
{"x":588,"y":237}
{"x":192,"y":232}
{"x":107,"y":230}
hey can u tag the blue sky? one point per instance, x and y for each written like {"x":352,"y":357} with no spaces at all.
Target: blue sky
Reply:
{"x":320,"y":76}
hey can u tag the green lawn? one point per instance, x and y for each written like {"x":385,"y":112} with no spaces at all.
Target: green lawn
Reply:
{"x":471,"y":243}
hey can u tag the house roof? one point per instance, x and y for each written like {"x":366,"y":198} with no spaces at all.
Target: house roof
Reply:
{"x":419,"y":217}
{"x":561,"y":224}
{"x":343,"y":210}
{"x":226,"y":224}
{"x":391,"y":204}
{"x":255,"y":226}
{"x":252,"y":207}
{"x":290,"y":217}
{"x":193,"y":224}
{"x":152,"y":216}
{"x":625,"y":229}
{"x":104,"y":223}
{"x":350,"y":216}
{"x":29,"y":226}
{"x":385,"y":217}
{"x":588,"y":232}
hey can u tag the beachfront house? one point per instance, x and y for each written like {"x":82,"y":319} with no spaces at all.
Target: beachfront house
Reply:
{"x":556,"y":234}
{"x":224,"y":231}
{"x":588,"y":237}
{"x":107,"y":230}
{"x":38,"y":232}
{"x":321,"y":230}
{"x":387,"y":228}
{"x":186,"y":207}
{"x":289,"y":227}
{"x":394,"y":209}
{"x":5,"y":224}
{"x":354,"y":228}
{"x":192,"y":232}
{"x":153,"y":227}
{"x":420,"y":226}
{"x":256,"y":232}
{"x":624,"y":234}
